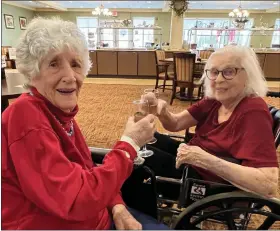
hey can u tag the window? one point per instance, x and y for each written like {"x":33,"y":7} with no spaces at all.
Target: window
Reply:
{"x":88,"y":25}
{"x":141,"y":37}
{"x":208,"y":35}
{"x":276,"y":34}
{"x":107,"y":37}
{"x":123,"y":38}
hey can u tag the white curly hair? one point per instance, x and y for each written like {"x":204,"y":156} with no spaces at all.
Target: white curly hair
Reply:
{"x":246,"y":57}
{"x":44,"y":35}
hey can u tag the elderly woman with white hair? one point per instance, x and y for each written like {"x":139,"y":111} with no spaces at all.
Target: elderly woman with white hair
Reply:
{"x":48,"y":178}
{"x":232,"y":122}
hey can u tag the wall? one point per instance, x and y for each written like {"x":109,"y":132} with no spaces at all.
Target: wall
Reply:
{"x":163,"y":19}
{"x":10,"y":36}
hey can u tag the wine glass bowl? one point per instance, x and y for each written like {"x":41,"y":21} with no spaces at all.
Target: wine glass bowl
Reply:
{"x":153,"y":106}
{"x":141,"y":110}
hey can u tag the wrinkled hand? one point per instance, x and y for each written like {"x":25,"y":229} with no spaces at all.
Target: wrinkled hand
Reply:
{"x":141,"y":132}
{"x":187,"y":154}
{"x":161,"y":105}
{"x":124,"y":220}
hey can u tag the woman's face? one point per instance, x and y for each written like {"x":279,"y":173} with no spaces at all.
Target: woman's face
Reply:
{"x":231,"y":89}
{"x":60,"y":79}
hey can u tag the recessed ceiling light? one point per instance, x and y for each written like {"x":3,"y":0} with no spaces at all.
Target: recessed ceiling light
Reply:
{"x":275,"y":3}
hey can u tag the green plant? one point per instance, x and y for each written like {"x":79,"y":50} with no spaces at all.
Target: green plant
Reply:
{"x":179,"y":6}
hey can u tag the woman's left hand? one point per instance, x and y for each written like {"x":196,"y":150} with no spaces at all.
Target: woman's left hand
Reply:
{"x":124,"y":220}
{"x":187,"y":154}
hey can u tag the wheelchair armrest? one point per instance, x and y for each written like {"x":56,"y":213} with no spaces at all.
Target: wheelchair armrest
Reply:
{"x":175,"y":136}
{"x":97,"y":154}
{"x":188,"y":136}
{"x":168,"y":180}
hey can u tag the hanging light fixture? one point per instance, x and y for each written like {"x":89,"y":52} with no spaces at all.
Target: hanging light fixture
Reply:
{"x":102,"y":11}
{"x":239,"y":16}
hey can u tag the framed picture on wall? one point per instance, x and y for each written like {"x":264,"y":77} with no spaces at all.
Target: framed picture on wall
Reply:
{"x":9,"y":21}
{"x":22,"y":23}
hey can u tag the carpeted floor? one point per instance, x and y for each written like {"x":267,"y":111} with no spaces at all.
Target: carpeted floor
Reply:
{"x":104,"y":110}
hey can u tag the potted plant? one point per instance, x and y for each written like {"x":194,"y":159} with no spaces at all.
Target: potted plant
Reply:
{"x":179,"y":6}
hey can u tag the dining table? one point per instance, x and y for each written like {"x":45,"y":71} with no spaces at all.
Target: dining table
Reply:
{"x":12,"y":87}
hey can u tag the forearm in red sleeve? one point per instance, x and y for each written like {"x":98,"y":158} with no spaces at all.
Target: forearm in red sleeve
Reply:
{"x":61,"y":187}
{"x":117,"y":200}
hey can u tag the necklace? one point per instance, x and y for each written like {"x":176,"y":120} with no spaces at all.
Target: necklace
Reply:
{"x":71,"y":131}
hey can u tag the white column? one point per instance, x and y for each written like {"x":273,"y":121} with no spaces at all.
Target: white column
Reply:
{"x":176,"y":31}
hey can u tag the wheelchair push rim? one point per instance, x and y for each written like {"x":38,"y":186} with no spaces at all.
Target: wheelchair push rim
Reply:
{"x":226,"y":213}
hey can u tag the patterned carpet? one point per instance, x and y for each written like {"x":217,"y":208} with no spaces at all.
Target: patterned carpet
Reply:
{"x":104,"y":110}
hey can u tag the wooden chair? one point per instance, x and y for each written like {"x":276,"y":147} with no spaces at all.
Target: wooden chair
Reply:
{"x":184,"y":66}
{"x":205,"y":54}
{"x":162,"y":70}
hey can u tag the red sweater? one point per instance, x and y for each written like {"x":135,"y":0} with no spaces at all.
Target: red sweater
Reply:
{"x":48,"y":178}
{"x":247,"y":135}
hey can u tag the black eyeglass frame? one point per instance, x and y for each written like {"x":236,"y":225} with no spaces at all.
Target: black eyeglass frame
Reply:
{"x":235,"y":68}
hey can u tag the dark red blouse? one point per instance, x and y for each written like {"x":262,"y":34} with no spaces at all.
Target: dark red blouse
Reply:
{"x":247,"y":135}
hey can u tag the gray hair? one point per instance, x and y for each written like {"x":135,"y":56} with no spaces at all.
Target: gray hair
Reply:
{"x":43,"y":35}
{"x":255,"y":84}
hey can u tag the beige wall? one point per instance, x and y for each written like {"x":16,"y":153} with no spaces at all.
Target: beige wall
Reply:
{"x":162,"y":19}
{"x":10,"y":36}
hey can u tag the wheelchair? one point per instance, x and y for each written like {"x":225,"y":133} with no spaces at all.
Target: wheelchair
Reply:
{"x":199,"y":204}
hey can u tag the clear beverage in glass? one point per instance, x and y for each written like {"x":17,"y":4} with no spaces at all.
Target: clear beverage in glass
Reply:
{"x":142,"y":110}
{"x":152,"y":108}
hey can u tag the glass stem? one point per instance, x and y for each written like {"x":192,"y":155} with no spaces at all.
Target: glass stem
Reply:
{"x":144,"y":148}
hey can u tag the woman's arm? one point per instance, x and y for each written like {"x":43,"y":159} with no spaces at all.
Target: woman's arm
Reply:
{"x":185,"y":119}
{"x":176,"y":122}
{"x":262,"y":181}
{"x":62,"y":187}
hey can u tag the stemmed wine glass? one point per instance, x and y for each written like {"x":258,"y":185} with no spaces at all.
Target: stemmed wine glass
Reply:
{"x":142,"y":110}
{"x":152,"y":108}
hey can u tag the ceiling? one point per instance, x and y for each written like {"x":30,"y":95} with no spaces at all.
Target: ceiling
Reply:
{"x":202,"y":5}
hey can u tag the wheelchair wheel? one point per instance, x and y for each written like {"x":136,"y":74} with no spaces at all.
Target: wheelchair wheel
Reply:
{"x":234,"y":210}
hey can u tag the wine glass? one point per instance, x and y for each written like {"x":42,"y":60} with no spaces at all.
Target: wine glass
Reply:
{"x":152,"y":108}
{"x":142,"y":110}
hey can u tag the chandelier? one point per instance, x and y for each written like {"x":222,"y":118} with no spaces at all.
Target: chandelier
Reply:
{"x":101,"y":11}
{"x":239,"y":16}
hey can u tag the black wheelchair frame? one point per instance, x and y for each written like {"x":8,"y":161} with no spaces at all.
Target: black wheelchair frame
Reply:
{"x":199,"y":202}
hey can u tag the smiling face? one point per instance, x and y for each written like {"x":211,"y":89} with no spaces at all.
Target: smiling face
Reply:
{"x":60,"y":79}
{"x":227,"y":91}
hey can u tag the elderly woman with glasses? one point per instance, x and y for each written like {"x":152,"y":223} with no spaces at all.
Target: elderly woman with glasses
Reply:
{"x":48,"y":178}
{"x":232,"y":122}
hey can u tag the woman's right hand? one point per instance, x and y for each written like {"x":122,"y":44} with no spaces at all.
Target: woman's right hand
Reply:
{"x":160,"y":104}
{"x":140,"y":132}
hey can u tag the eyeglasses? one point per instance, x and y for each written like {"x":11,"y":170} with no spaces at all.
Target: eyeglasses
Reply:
{"x":228,"y":73}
